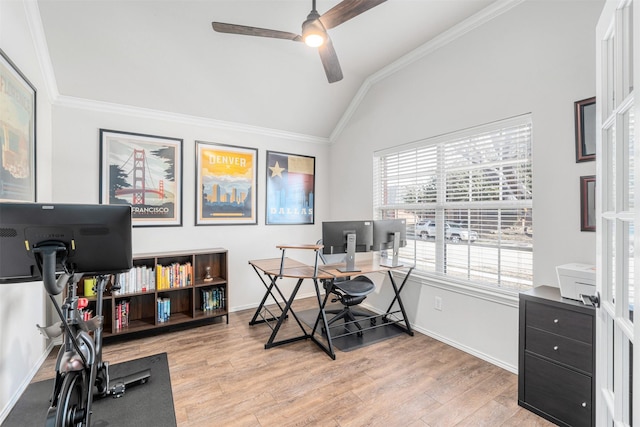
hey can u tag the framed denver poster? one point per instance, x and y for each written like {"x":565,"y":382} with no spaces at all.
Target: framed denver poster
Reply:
{"x":226,"y":180}
{"x":144,"y":171}
{"x":290,"y":188}
{"x":17,"y":134}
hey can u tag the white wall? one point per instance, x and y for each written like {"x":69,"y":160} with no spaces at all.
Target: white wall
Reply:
{"x":539,"y":58}
{"x":23,"y":305}
{"x":76,"y":143}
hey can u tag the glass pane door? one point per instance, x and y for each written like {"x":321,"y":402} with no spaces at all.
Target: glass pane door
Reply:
{"x":616,"y":214}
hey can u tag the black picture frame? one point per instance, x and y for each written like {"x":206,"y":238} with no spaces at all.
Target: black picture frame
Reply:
{"x":156,"y":196}
{"x":290,"y":191}
{"x":18,"y":136}
{"x":585,"y":125}
{"x":226,"y":184}
{"x":588,"y":203}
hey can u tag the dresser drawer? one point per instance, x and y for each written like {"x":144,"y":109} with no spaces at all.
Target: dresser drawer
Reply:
{"x":576,"y":354}
{"x":559,"y":392}
{"x":568,"y":323}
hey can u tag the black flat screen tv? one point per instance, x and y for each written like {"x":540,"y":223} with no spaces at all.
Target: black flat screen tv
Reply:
{"x":96,"y":238}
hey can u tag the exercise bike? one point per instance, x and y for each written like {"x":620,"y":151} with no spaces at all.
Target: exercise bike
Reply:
{"x":81,"y":373}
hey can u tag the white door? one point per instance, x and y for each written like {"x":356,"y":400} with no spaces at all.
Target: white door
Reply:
{"x":617,"y":45}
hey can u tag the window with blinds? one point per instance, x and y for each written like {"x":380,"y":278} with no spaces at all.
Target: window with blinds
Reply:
{"x":468,"y":203}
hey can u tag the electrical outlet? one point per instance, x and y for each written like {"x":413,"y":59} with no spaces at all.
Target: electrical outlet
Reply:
{"x":438,"y":304}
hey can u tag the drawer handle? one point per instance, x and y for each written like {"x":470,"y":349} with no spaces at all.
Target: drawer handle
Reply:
{"x":555,"y":348}
{"x":584,"y":404}
{"x":555,"y":320}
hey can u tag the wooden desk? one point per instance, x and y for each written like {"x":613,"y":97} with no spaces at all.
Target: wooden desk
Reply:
{"x":276,"y":268}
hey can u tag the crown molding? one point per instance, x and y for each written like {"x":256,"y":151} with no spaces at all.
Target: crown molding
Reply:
{"x":469,"y":24}
{"x":36,"y":28}
{"x":146,"y":113}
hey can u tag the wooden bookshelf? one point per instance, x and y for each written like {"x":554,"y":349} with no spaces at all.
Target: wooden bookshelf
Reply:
{"x":193,"y":298}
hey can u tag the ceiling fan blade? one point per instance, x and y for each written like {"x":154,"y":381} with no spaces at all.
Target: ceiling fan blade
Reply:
{"x":221,"y":27}
{"x":346,"y":10}
{"x":330,"y":61}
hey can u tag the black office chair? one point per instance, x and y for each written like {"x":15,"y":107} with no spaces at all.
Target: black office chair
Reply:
{"x":350,"y":292}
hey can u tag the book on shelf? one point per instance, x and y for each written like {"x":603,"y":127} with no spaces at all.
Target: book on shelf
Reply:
{"x":212,"y":298}
{"x":164,"y":310}
{"x":122,"y":314}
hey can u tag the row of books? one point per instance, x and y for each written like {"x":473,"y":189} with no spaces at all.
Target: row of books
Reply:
{"x":138,"y":279}
{"x":143,"y":278}
{"x":212,"y":299}
{"x":174,"y":275}
{"x":164,"y":310}
{"x":121,"y":319}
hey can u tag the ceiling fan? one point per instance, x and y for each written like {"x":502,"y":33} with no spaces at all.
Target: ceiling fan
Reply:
{"x":314,"y":31}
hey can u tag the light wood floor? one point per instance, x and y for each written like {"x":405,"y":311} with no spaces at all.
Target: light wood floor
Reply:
{"x":221,"y":375}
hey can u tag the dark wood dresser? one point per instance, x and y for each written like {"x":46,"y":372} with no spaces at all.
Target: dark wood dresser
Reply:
{"x":556,"y":357}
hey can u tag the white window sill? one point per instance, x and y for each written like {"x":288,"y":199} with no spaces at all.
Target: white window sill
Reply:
{"x":500,"y":296}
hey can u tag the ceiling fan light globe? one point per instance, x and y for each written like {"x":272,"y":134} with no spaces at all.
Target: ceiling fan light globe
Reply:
{"x":314,"y":40}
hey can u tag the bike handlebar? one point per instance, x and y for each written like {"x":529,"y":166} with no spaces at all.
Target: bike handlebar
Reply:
{"x":49,"y":254}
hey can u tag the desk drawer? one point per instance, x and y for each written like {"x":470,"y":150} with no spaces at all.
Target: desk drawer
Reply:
{"x":571,"y":324}
{"x":561,"y":349}
{"x":559,"y":392}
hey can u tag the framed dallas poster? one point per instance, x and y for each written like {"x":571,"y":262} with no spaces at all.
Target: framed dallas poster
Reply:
{"x":290,"y":188}
{"x":226,"y":183}
{"x":144,"y":171}
{"x":17,"y":134}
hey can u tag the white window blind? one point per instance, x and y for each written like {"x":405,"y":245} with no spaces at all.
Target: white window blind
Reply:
{"x":468,"y":202}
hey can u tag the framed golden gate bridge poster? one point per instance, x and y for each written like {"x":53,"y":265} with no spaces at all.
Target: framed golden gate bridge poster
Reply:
{"x":144,"y":171}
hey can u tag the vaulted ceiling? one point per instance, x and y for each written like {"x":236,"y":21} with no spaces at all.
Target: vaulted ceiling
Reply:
{"x":164,"y":55}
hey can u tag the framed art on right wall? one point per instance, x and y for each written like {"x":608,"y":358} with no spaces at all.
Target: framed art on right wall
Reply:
{"x":588,"y":203}
{"x":585,"y":123}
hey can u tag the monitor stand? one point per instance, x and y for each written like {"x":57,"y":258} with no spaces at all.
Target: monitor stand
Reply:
{"x":351,"y":255}
{"x":396,"y":249}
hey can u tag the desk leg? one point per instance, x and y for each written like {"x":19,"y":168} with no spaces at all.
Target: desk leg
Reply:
{"x":322,"y":315}
{"x":270,"y":288}
{"x":287,"y":307}
{"x":397,"y":291}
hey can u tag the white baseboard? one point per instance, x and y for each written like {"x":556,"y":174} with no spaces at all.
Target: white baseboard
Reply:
{"x":459,"y":346}
{"x":23,"y":386}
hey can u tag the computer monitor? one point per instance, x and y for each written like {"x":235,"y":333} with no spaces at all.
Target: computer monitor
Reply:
{"x":347,"y":237}
{"x":91,"y":239}
{"x":390,"y":234}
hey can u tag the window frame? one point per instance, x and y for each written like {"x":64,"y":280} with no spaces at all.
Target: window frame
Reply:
{"x":435,"y":278}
